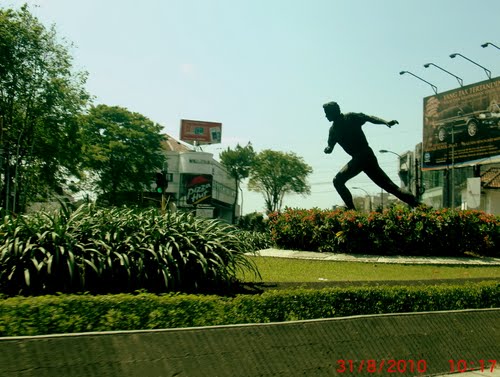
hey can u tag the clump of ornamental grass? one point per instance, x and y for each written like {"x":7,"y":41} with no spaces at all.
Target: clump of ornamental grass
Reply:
{"x":111,"y":250}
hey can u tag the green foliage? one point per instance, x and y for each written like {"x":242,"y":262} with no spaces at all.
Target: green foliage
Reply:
{"x":394,"y":231}
{"x":122,"y":148}
{"x":255,"y":230}
{"x":256,"y":240}
{"x":239,"y":161}
{"x":80,"y":313}
{"x":118,"y":250}
{"x":276,"y":174}
{"x":254,"y":221}
{"x":41,"y":98}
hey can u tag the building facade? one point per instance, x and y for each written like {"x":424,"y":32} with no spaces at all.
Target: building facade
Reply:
{"x":465,"y":187}
{"x":197,"y":182}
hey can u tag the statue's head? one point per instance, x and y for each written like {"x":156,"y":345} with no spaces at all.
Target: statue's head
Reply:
{"x":332,"y":110}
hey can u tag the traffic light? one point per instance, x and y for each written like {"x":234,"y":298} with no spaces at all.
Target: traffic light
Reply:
{"x":161,"y":182}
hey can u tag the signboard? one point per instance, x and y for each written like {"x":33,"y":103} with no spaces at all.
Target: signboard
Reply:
{"x":198,"y":189}
{"x":462,"y":126}
{"x":198,"y":132}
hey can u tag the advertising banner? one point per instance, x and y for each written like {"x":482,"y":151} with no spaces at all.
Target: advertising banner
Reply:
{"x":462,"y":126}
{"x":199,"y":132}
{"x":198,"y":188}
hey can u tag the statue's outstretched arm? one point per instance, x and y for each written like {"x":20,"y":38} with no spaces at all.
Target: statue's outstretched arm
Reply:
{"x":377,"y":120}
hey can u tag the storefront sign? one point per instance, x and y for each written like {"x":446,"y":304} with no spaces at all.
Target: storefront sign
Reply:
{"x":199,"y":189}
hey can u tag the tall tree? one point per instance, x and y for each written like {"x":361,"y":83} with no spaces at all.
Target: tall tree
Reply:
{"x":40,"y":101}
{"x":276,"y":174}
{"x":122,"y":148}
{"x":238,"y":163}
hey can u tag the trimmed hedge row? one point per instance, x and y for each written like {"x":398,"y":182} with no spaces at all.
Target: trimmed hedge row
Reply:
{"x":83,"y":313}
{"x":398,"y":230}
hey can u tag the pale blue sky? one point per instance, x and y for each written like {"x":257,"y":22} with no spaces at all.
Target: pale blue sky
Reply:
{"x":263,"y":68}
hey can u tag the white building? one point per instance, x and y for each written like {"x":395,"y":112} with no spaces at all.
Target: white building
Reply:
{"x":197,"y":182}
{"x":483,"y":193}
{"x":466,"y":187}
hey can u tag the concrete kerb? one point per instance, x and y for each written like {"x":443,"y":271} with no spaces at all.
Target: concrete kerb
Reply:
{"x":297,"y":254}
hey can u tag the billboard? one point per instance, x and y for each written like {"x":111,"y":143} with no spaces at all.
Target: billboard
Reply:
{"x":200,"y":132}
{"x":462,"y":126}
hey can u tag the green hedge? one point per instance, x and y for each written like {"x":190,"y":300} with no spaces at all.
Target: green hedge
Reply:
{"x":398,"y":230}
{"x":82,"y":313}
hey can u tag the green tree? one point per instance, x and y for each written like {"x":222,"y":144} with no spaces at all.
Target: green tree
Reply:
{"x":238,"y":163}
{"x":40,"y":102}
{"x":121,"y":148}
{"x":276,"y":174}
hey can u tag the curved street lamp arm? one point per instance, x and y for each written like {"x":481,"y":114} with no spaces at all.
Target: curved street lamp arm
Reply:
{"x":488,"y":72}
{"x":421,"y":79}
{"x":460,"y":81}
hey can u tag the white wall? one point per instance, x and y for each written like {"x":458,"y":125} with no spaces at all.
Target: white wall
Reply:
{"x":493,"y":202}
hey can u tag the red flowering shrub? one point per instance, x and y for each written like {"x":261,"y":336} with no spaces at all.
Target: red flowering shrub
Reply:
{"x":296,"y":228}
{"x":398,"y":230}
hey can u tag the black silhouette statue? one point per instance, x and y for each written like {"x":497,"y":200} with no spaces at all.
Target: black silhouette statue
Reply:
{"x":346,"y":131}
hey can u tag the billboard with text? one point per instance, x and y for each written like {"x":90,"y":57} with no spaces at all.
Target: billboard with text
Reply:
{"x":462,"y":126}
{"x":200,"y":132}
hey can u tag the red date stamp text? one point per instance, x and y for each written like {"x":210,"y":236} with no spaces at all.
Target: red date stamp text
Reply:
{"x":381,"y":366}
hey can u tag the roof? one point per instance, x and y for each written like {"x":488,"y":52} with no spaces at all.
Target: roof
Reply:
{"x":491,"y":178}
{"x":172,"y":145}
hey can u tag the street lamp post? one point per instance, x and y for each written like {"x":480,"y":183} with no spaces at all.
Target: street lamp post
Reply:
{"x":421,"y":79}
{"x":489,"y":44}
{"x":369,"y":197}
{"x":488,"y":72}
{"x":460,"y":81}
{"x":386,"y":151}
{"x":407,"y":166}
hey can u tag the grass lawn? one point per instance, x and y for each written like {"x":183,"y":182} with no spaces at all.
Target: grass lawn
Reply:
{"x":274,"y":270}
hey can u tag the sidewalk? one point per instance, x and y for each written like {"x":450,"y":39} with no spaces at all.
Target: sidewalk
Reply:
{"x":278,"y":253}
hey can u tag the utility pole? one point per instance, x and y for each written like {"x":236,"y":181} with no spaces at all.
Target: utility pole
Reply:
{"x":417,"y":179}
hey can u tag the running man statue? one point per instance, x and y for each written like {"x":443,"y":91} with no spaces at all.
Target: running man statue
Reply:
{"x":346,"y":131}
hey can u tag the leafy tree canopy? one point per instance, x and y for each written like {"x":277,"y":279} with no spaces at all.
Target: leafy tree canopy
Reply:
{"x":122,"y":148}
{"x":40,"y":101}
{"x":238,"y":163}
{"x":276,"y":174}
